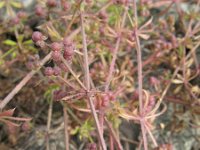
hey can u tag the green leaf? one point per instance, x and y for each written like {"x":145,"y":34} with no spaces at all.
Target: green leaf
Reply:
{"x":28,"y":42}
{"x":48,"y":93}
{"x":14,"y":54}
{"x":1,"y":62}
{"x":2,"y":4}
{"x":9,"y":42}
{"x":7,"y":53}
{"x":75,"y":131}
{"x":20,"y":38}
{"x":86,"y":129}
{"x":16,"y":4}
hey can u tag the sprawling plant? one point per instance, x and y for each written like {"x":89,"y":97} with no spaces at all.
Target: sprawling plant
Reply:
{"x":113,"y":60}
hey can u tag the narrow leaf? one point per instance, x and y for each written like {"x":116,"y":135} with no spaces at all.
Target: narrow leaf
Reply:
{"x":176,"y":81}
{"x":16,"y":4}
{"x":2,"y":4}
{"x":7,"y":113}
{"x":9,"y":42}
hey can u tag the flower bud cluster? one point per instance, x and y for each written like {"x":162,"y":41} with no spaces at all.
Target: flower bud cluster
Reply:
{"x":63,"y":49}
{"x":49,"y":71}
{"x":51,"y":3}
{"x":19,"y":17}
{"x":103,"y":16}
{"x":39,"y":38}
{"x":40,"y":11}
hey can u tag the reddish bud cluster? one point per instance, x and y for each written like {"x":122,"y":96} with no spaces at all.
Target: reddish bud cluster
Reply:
{"x":49,"y":71}
{"x":38,"y":38}
{"x":51,"y":3}
{"x":66,"y":6}
{"x":67,"y":53}
{"x":62,"y":67}
{"x":20,"y":15}
{"x":39,"y":11}
{"x":56,"y":55}
{"x":103,"y":16}
{"x":55,"y":46}
{"x":68,"y":49}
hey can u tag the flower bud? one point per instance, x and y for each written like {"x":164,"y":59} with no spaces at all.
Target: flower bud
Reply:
{"x":51,"y":3}
{"x":39,"y":11}
{"x":55,"y":46}
{"x":57,"y":71}
{"x":66,"y":6}
{"x":37,"y":36}
{"x":63,"y":67}
{"x":67,"y":42}
{"x":56,"y":55}
{"x":48,"y":71}
{"x":68,"y":53}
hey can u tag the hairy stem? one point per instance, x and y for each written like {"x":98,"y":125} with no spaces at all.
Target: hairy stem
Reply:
{"x":49,"y":123}
{"x":140,"y":84}
{"x":65,"y":127}
{"x":87,"y":79}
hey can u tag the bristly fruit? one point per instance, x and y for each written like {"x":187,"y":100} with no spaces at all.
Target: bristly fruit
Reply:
{"x":67,"y":42}
{"x":68,"y":52}
{"x":57,"y":71}
{"x":39,"y":11}
{"x":51,"y":3}
{"x":66,"y":6}
{"x":49,"y":71}
{"x":55,"y":46}
{"x":63,"y":67}
{"x":56,"y":55}
{"x":37,"y":36}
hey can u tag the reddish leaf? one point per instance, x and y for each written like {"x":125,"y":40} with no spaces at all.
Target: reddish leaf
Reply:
{"x":18,"y":118}
{"x":7,"y":113}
